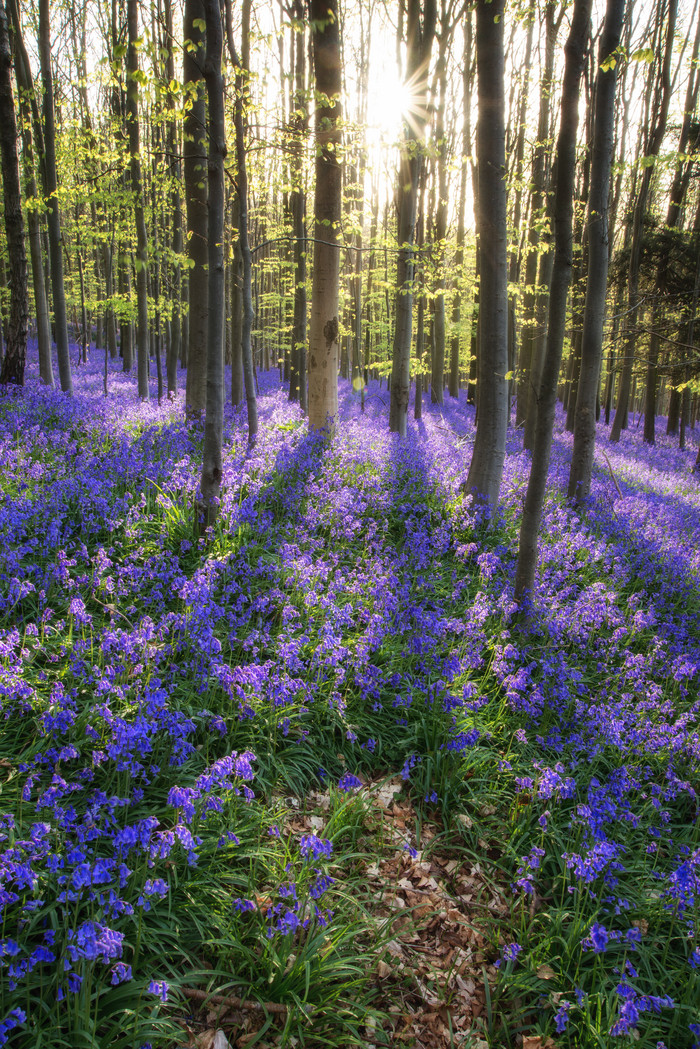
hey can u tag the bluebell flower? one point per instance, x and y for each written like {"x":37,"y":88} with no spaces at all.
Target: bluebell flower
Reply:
{"x":313,"y":847}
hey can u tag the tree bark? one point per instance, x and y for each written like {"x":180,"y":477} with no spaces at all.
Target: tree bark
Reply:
{"x":598,"y":256}
{"x":298,"y":385}
{"x":574,"y":51}
{"x":237,"y":381}
{"x":244,"y":245}
{"x":438,"y":372}
{"x":651,"y":151}
{"x":53,"y":216}
{"x":25,"y":90}
{"x":526,"y":399}
{"x":461,"y":211}
{"x":173,"y":145}
{"x":195,"y":167}
{"x":323,"y":330}
{"x":679,"y":186}
{"x":132,"y":116}
{"x":420,"y":34}
{"x":212,"y":464}
{"x":12,"y":370}
{"x":486,"y":468}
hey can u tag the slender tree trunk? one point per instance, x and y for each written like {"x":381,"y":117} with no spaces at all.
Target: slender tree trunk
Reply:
{"x":486,"y":468}
{"x":323,"y":330}
{"x":574,"y":50}
{"x":598,"y":256}
{"x":298,"y":386}
{"x":247,"y":288}
{"x":132,"y":116}
{"x":438,"y":375}
{"x":25,"y":91}
{"x":175,"y":171}
{"x":526,"y":401}
{"x":212,"y":464}
{"x":195,"y":167}
{"x":53,"y":217}
{"x":237,"y":381}
{"x":461,"y":210}
{"x":517,"y":175}
{"x":420,"y":291}
{"x":681,"y":181}
{"x":420,"y":34}
{"x":653,"y":145}
{"x":12,"y":370}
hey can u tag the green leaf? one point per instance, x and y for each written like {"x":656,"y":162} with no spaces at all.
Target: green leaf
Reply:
{"x":643,"y":54}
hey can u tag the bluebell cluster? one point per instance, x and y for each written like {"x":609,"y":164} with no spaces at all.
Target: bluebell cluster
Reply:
{"x":150,"y":676}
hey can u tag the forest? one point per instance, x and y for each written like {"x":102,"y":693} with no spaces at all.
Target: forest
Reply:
{"x":350,"y":524}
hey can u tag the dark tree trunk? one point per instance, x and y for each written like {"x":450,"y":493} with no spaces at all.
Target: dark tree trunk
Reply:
{"x":237,"y":381}
{"x":12,"y":370}
{"x":212,"y":464}
{"x":652,"y":147}
{"x":27,"y":108}
{"x":438,"y":371}
{"x":53,"y":217}
{"x":132,"y":116}
{"x":486,"y":469}
{"x":195,"y":166}
{"x":244,"y":245}
{"x":575,"y":50}
{"x":526,"y":402}
{"x":298,"y":387}
{"x":598,"y":255}
{"x":681,"y":181}
{"x":175,"y":341}
{"x":323,"y":329}
{"x":420,"y":34}
{"x":461,"y":209}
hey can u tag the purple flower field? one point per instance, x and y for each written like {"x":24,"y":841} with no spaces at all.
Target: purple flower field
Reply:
{"x":164,"y":697}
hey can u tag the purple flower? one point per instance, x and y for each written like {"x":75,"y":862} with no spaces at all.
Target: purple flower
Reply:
{"x":598,"y":937}
{"x":159,"y":988}
{"x":312,"y":847}
{"x":511,"y":951}
{"x":121,"y":973}
{"x":561,"y":1017}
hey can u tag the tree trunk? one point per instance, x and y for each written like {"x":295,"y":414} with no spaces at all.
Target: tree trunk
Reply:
{"x":461,"y":210}
{"x":486,"y":468}
{"x":681,"y":180}
{"x":237,"y":381}
{"x":438,"y":372}
{"x":212,"y":464}
{"x":175,"y":170}
{"x":651,"y":151}
{"x":12,"y":370}
{"x":526,"y":401}
{"x":323,"y":332}
{"x":195,"y":166}
{"x":247,"y":287}
{"x":25,"y":90}
{"x":53,"y":217}
{"x":298,"y":387}
{"x":420,"y":36}
{"x":132,"y":116}
{"x":558,"y":293}
{"x":598,"y":255}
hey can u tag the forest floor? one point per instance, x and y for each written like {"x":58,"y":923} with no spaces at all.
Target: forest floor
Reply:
{"x":308,"y":780}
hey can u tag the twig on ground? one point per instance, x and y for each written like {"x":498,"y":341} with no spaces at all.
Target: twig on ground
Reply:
{"x":232,"y":1002}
